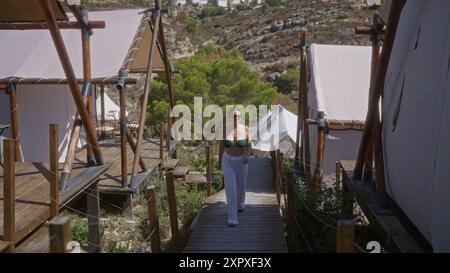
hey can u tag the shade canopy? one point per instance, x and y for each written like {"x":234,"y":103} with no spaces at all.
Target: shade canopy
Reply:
{"x":339,"y":87}
{"x":278,"y":125}
{"x":31,"y":53}
{"x":340,"y":81}
{"x":28,"y":11}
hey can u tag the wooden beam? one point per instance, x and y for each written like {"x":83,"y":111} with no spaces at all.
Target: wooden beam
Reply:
{"x":173,"y":211}
{"x":9,"y":192}
{"x":155,"y":240}
{"x":291,"y":225}
{"x":161,"y":143}
{"x":305,"y":109}
{"x":87,"y":78}
{"x":300,"y":147}
{"x":363,"y":30}
{"x":54,"y":170}
{"x":208,"y":170}
{"x":60,"y":234}
{"x":345,"y":236}
{"x":123,"y":137}
{"x":368,"y":133}
{"x":340,"y":125}
{"x":318,"y":173}
{"x":102,"y":109}
{"x":93,"y":212}
{"x":15,"y":122}
{"x":61,"y":25}
{"x":71,"y":78}
{"x":38,"y":81}
{"x":133,"y":147}
{"x":147,"y":90}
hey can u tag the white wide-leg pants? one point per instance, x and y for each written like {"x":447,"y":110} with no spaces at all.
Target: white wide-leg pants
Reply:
{"x":235,"y":175}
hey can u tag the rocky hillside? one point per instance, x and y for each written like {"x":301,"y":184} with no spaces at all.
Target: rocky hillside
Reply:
{"x":269,"y":39}
{"x":266,"y":36}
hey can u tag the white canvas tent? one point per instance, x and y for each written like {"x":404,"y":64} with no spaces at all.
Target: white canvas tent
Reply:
{"x":31,"y":55}
{"x":285,"y":132}
{"x":112,"y":110}
{"x":339,"y":87}
{"x":416,"y":119}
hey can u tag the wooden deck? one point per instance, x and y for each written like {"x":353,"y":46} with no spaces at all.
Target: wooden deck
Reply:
{"x":390,"y":222}
{"x":111,"y":181}
{"x":33,"y":195}
{"x":260,"y":228}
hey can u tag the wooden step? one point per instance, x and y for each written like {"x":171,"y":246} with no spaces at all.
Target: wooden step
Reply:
{"x":196,"y":179}
{"x":4,"y":246}
{"x":180,"y":172}
{"x":170,"y":164}
{"x":39,"y":242}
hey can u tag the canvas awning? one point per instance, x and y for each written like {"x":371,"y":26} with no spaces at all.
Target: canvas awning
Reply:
{"x":27,"y":11}
{"x":31,"y":54}
{"x":278,"y":126}
{"x":340,"y":81}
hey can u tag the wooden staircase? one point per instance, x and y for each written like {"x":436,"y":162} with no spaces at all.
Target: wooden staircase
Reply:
{"x":183,"y":174}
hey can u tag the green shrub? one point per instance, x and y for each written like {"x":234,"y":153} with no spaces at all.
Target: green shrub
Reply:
{"x":288,"y":82}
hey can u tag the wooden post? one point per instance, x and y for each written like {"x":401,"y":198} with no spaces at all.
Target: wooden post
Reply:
{"x":301,"y":112}
{"x":345,"y":236}
{"x":169,"y":134}
{"x":173,"y":211}
{"x":133,"y":147}
{"x":71,"y":78}
{"x":9,"y":192}
{"x":305,"y":112}
{"x":169,"y":77}
{"x":277,"y":175}
{"x":153,"y":219}
{"x":208,"y":169}
{"x":368,"y":133}
{"x":338,"y":185}
{"x":273,"y":156}
{"x":102,"y":110}
{"x":291,"y":213}
{"x":280,"y":174}
{"x":147,"y":89}
{"x":93,"y":211}
{"x":60,"y":234}
{"x":318,"y":173}
{"x":87,"y":77}
{"x":14,"y":120}
{"x":54,"y":170}
{"x":379,"y":159}
{"x":161,"y":142}
{"x":123,"y":137}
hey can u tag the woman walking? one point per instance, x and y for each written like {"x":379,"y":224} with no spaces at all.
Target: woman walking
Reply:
{"x":234,"y":153}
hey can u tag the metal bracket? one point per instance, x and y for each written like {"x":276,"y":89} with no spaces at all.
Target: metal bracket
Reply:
{"x":121,"y":81}
{"x":322,"y":123}
{"x":154,"y":11}
{"x":87,"y":89}
{"x":11,"y":86}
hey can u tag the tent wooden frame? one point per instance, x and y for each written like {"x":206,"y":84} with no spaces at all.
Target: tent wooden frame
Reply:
{"x":303,"y":153}
{"x":371,"y":139}
{"x":356,"y":178}
{"x":83,"y":99}
{"x":18,"y":16}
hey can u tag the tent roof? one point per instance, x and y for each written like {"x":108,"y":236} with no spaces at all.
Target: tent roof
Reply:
{"x":31,"y":53}
{"x":286,"y":129}
{"x":27,"y":11}
{"x":340,"y":80}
